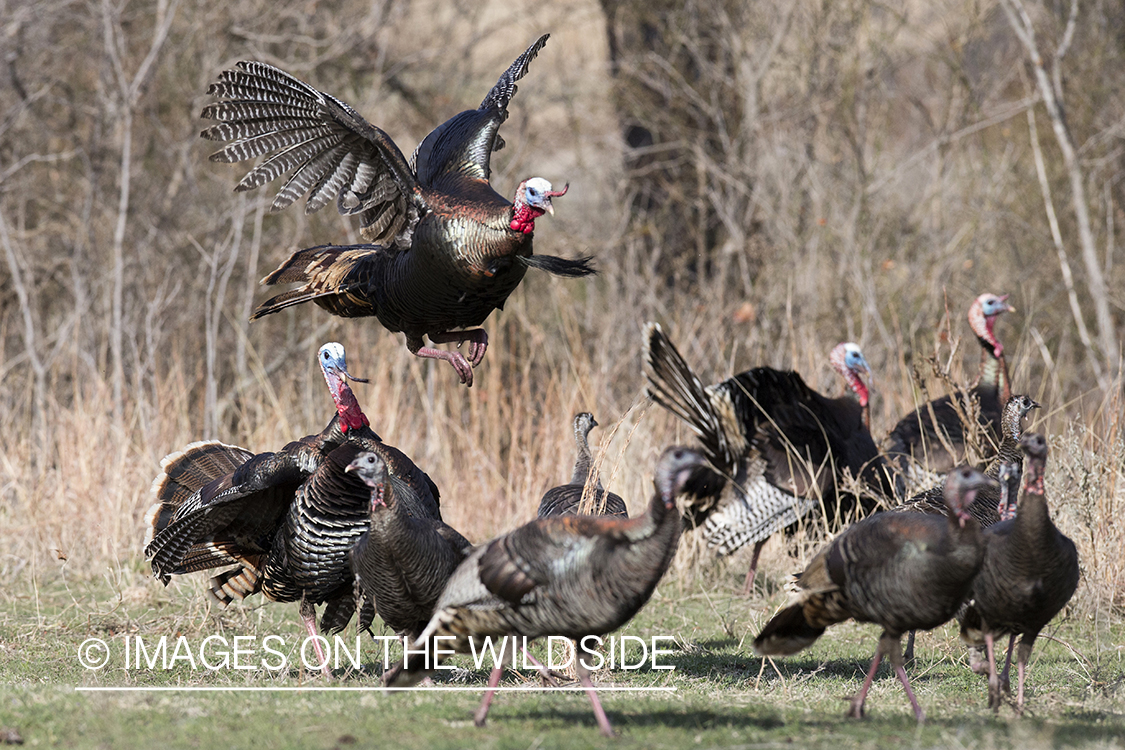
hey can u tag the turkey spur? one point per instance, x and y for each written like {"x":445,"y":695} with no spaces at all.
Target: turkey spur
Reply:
{"x":444,"y":249}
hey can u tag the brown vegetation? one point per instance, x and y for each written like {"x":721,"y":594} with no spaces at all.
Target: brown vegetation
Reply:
{"x":879,"y":172}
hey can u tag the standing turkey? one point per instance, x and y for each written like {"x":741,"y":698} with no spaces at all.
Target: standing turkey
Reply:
{"x":903,"y":571}
{"x":986,"y":506}
{"x":446,"y":249}
{"x":571,"y":576}
{"x":929,"y":441}
{"x":565,"y":499}
{"x":1030,"y":571}
{"x":287,"y":520}
{"x":779,"y":448}
{"x":403,"y":561}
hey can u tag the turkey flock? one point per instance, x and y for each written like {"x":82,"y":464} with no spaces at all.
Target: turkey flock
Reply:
{"x":341,"y":520}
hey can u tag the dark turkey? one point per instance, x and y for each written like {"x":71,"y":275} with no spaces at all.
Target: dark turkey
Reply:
{"x":570,"y":576}
{"x":902,"y":571}
{"x":565,"y":499}
{"x":929,"y":441}
{"x":287,"y":520}
{"x":779,"y":448}
{"x":1030,"y":571}
{"x":403,"y":561}
{"x":215,"y":500}
{"x":446,"y":249}
{"x":985,"y":508}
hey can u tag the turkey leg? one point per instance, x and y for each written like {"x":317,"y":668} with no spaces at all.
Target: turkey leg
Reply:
{"x":481,"y":716}
{"x":748,"y":586}
{"x":855,"y":710}
{"x":993,"y":678}
{"x":599,"y":712}
{"x":893,"y":649}
{"x":308,"y":616}
{"x":1005,"y":683}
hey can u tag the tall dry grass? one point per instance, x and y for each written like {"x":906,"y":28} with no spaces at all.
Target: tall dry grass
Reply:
{"x":873,"y":208}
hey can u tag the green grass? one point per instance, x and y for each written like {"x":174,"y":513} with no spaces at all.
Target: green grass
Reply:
{"x":725,"y":697}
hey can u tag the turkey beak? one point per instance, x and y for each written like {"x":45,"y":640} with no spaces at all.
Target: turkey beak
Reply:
{"x":1007,"y":307}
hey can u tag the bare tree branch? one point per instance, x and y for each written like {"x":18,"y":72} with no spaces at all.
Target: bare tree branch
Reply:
{"x":1064,"y":263}
{"x":1025,"y":31}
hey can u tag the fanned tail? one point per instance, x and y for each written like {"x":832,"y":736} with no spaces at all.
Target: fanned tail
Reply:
{"x":673,"y":385}
{"x":565,"y":267}
{"x":183,"y":474}
{"x":236,"y":584}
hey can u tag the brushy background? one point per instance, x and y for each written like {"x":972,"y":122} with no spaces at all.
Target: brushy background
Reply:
{"x":764,"y":181}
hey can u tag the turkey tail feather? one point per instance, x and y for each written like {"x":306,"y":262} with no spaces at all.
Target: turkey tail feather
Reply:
{"x":565,"y":267}
{"x":786,"y":633}
{"x":288,"y":299}
{"x":183,"y":474}
{"x":673,"y":385}
{"x":238,"y":583}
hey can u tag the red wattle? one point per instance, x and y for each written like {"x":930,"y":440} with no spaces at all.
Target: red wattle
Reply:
{"x":523,"y":218}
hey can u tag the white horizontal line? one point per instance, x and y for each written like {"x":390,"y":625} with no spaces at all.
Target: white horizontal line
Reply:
{"x":345,"y":689}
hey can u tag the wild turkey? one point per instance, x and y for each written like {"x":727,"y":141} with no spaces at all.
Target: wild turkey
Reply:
{"x":571,"y":576}
{"x":985,"y":507}
{"x":1030,"y":571}
{"x":565,"y":499}
{"x":783,"y":447}
{"x":915,"y":444}
{"x":445,"y":249}
{"x":903,"y":571}
{"x":403,"y":561}
{"x":286,"y":520}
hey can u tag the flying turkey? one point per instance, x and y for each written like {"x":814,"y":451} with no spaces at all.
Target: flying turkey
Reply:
{"x":445,"y":249}
{"x":571,"y":576}
{"x":403,"y":561}
{"x":565,"y":499}
{"x":288,"y":519}
{"x":779,"y":448}
{"x":929,"y":441}
{"x":902,"y":571}
{"x":1030,"y":571}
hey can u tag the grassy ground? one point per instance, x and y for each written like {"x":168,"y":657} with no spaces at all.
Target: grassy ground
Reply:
{"x":724,"y":696}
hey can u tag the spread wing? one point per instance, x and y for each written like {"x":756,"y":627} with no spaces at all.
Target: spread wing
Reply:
{"x":330,"y":150}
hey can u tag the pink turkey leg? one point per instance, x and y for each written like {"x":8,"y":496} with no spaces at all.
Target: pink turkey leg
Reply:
{"x":855,"y":710}
{"x":599,"y":712}
{"x":308,"y":616}
{"x":481,"y":716}
{"x":748,"y":586}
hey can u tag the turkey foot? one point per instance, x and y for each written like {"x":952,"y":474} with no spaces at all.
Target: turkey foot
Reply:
{"x":460,"y":364}
{"x":477,"y":338}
